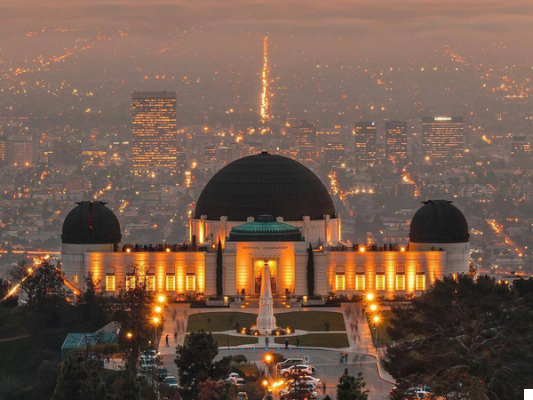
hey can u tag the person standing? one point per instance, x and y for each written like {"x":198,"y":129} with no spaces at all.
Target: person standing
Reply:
{"x":286,"y":343}
{"x":166,"y":340}
{"x":297,"y":341}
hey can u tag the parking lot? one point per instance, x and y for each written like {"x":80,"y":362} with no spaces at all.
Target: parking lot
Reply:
{"x":327,"y":364}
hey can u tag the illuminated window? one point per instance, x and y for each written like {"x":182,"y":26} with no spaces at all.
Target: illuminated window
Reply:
{"x":110,"y":283}
{"x":400,"y":281}
{"x":190,"y":283}
{"x":380,"y":281}
{"x":171,"y":282}
{"x":420,"y":281}
{"x":75,"y":279}
{"x":340,"y":281}
{"x":360,"y":282}
{"x":150,"y":282}
{"x":130,"y":281}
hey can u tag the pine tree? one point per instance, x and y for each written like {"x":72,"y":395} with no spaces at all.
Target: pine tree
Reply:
{"x":310,"y":272}
{"x":219,"y":270}
{"x":351,"y":388}
{"x":71,"y":379}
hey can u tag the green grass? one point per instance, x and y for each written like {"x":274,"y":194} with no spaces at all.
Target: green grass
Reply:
{"x":223,"y":341}
{"x":311,"y":320}
{"x":219,"y":321}
{"x":385,"y":321}
{"x":335,"y":340}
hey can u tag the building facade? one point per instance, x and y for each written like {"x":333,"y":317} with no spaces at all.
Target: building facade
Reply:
{"x":154,"y":131}
{"x":396,"y":142}
{"x":265,"y":209}
{"x":442,"y":140}
{"x":365,"y":143}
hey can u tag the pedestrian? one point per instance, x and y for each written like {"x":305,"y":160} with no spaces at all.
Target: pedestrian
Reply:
{"x":266,"y":341}
{"x":176,"y":336}
{"x":286,"y":343}
{"x":166,"y":340}
{"x":297,"y":341}
{"x":237,"y":326}
{"x":342,"y":357}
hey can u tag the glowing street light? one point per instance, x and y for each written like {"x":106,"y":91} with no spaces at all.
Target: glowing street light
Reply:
{"x":373,"y":307}
{"x":370,"y":296}
{"x":161,"y":298}
{"x":376,"y":319}
{"x":158,"y":309}
{"x":129,"y":335}
{"x":264,"y":383}
{"x":155,"y":320}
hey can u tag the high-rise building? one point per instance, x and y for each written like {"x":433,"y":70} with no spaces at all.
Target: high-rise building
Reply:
{"x":365,"y":143}
{"x":154,"y":131}
{"x":396,"y":142}
{"x":520,"y":151}
{"x":334,"y":153}
{"x":304,"y":141}
{"x":3,"y":151}
{"x":22,"y":151}
{"x":442,"y":140}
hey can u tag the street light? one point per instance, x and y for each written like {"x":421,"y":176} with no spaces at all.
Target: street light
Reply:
{"x":370,"y":296}
{"x":268,"y":359}
{"x":155,"y":320}
{"x":158,"y":309}
{"x":376,"y":320}
{"x":373,"y":307}
{"x":129,"y":335}
{"x":161,"y":298}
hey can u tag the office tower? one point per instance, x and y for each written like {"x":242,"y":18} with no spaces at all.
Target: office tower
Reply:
{"x":396,"y":142}
{"x":520,"y":151}
{"x":334,"y":153}
{"x":3,"y":151}
{"x":22,"y":151}
{"x":365,"y":143}
{"x":304,"y":142}
{"x":154,"y":131}
{"x":442,"y":140}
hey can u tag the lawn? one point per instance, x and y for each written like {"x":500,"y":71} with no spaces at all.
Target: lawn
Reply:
{"x":219,"y":321}
{"x":335,"y":340}
{"x":225,"y":340}
{"x":311,"y":320}
{"x":382,"y":335}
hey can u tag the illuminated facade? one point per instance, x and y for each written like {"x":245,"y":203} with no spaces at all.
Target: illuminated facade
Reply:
{"x":365,"y":143}
{"x":442,"y":140}
{"x":304,"y":142}
{"x":91,"y":242}
{"x":154,"y":131}
{"x":396,"y":142}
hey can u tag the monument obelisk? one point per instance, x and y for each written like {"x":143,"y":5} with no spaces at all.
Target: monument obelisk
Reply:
{"x":266,"y":322}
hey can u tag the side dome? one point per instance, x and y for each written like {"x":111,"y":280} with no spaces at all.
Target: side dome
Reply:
{"x":264,"y":184}
{"x":439,"y":221}
{"x":91,"y":222}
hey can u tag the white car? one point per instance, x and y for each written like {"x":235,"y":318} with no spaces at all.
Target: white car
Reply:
{"x":232,"y":378}
{"x":309,"y":379}
{"x":296,"y":370}
{"x":170,"y":381}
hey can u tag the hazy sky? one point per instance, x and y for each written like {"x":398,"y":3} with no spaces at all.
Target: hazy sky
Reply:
{"x":493,"y":20}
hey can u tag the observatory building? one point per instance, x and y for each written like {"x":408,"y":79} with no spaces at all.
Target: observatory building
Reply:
{"x":265,"y":209}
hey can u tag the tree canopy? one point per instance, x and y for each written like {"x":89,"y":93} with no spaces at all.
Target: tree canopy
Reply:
{"x":469,"y":337}
{"x":351,"y":387}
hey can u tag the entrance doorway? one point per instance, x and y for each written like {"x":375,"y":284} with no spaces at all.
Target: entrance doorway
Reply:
{"x":258,"y":274}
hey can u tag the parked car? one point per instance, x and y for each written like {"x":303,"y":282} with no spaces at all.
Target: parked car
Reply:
{"x":170,"y":381}
{"x":307,"y":378}
{"x":232,"y":378}
{"x":296,"y":370}
{"x":240,"y":381}
{"x":147,"y":366}
{"x":162,"y":373}
{"x":297,"y":394}
{"x":290,"y":362}
{"x":242,"y":396}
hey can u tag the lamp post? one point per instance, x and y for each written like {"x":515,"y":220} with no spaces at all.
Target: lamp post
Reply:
{"x":268,"y":360}
{"x":376,"y":320}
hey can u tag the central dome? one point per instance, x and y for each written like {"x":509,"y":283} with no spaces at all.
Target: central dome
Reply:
{"x":264,"y":184}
